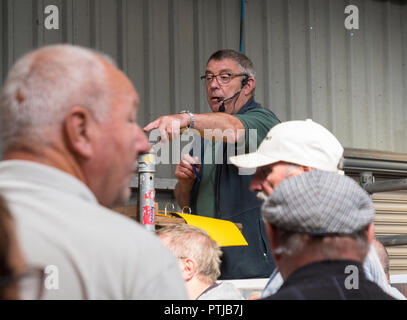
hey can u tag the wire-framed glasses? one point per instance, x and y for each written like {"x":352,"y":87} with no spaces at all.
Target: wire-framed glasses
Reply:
{"x":222,"y":78}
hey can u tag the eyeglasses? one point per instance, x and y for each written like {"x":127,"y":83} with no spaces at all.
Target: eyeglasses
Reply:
{"x":222,"y":78}
{"x":28,"y":286}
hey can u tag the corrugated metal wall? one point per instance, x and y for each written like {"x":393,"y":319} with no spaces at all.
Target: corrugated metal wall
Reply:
{"x":391,"y":207}
{"x":391,"y":219}
{"x":308,"y":64}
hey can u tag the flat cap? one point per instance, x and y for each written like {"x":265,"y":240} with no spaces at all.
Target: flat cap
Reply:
{"x":319,"y":203}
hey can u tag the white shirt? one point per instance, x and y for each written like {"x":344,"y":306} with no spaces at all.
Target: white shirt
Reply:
{"x":92,"y":252}
{"x":223,"y":291}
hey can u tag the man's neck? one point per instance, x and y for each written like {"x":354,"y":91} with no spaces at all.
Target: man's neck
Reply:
{"x":242,"y":104}
{"x":195,"y":287}
{"x":52,"y":156}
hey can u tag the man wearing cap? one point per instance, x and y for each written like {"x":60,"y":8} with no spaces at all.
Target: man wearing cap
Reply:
{"x":320,"y":226}
{"x":290,"y":149}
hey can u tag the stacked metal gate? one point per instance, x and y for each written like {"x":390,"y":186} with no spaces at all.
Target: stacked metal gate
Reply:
{"x":389,"y":171}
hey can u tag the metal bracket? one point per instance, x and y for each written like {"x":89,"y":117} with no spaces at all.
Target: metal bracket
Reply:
{"x":368,"y":183}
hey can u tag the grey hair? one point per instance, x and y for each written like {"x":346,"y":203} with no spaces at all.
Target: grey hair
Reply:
{"x":186,"y":241}
{"x":330,"y":247}
{"x":244,"y":63}
{"x":44,"y":84}
{"x":290,"y":243}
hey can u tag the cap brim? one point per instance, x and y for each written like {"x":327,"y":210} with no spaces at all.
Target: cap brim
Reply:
{"x":252,"y":160}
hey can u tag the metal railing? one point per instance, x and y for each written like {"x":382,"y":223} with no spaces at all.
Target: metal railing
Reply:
{"x":368,"y":183}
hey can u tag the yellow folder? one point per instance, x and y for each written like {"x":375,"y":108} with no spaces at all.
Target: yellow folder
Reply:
{"x":225,"y":233}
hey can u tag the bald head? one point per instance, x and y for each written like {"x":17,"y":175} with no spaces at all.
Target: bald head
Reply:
{"x":44,"y":84}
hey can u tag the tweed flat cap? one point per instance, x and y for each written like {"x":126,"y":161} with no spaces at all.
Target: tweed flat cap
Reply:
{"x":319,"y":202}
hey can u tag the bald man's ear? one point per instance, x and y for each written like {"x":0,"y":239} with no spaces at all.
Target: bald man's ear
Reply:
{"x":79,"y":126}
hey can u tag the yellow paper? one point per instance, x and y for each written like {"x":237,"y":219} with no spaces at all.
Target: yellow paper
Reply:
{"x":225,"y":233}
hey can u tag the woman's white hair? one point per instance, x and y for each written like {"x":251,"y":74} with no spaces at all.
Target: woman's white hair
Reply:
{"x":44,"y":84}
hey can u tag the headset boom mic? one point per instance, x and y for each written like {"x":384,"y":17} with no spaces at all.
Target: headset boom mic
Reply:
{"x":222,"y":106}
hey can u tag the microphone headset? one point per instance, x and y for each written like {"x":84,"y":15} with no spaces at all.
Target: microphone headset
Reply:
{"x":222,"y":106}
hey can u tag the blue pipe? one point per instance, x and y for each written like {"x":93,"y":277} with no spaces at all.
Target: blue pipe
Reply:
{"x":241,"y":26}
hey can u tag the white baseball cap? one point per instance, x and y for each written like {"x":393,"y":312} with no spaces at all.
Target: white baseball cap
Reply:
{"x":302,"y":142}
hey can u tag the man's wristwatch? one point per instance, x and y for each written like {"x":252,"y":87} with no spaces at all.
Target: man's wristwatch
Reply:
{"x":191,"y":115}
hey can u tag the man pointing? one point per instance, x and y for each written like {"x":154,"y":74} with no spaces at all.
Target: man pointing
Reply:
{"x":219,"y":191}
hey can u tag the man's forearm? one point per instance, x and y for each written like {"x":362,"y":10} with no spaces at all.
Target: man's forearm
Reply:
{"x":226,"y":123}
{"x":231,"y":129}
{"x":182,"y":194}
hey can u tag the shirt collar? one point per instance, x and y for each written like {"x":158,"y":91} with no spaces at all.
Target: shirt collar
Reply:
{"x":250,"y":104}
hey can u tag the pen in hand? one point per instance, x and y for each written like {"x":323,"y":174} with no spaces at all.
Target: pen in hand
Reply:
{"x":196,"y":172}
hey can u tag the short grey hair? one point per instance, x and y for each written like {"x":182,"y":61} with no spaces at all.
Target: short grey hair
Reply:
{"x":186,"y":241}
{"x":331,"y":247}
{"x":244,"y":63}
{"x":44,"y":84}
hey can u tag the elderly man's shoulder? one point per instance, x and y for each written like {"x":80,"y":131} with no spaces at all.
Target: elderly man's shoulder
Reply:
{"x":125,"y":229}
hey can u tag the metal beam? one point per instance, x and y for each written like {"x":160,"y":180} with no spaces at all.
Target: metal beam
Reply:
{"x":387,"y":185}
{"x":382,"y":166}
{"x":393,"y":240}
{"x":367,"y":182}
